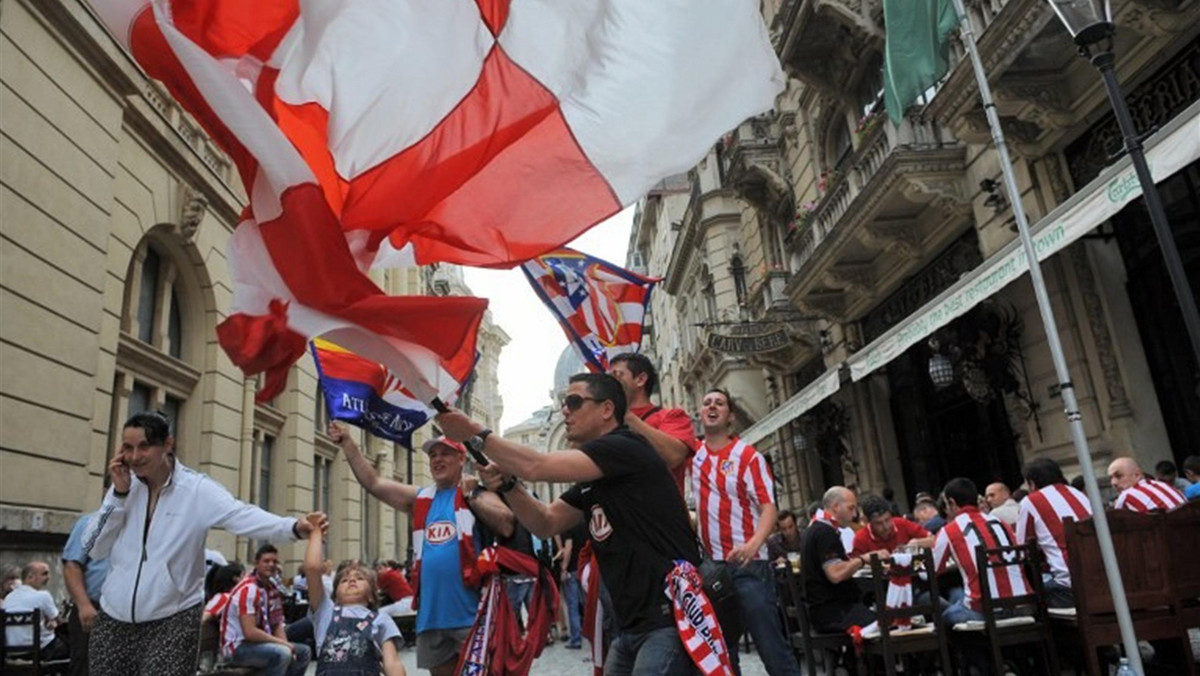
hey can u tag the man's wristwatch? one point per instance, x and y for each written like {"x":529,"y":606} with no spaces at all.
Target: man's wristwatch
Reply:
{"x":509,"y":484}
{"x":476,"y":442}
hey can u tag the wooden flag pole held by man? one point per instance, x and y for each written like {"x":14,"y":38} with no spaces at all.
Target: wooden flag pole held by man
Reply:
{"x":1074,"y":417}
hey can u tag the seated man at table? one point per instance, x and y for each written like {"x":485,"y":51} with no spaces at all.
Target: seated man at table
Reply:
{"x":1139,"y":493}
{"x":928,"y":515}
{"x":395,"y":587}
{"x":885,"y":530}
{"x":28,"y":596}
{"x":786,"y":540}
{"x":835,"y":602}
{"x":1041,"y":518}
{"x":1191,"y":471}
{"x":967,"y":529}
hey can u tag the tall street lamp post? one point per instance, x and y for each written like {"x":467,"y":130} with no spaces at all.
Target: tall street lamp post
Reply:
{"x":1091,"y":25}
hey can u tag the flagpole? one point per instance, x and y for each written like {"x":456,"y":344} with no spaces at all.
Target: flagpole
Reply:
{"x":1067,"y":389}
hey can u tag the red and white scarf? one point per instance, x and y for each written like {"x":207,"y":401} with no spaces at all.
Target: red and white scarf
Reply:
{"x":696,"y":621}
{"x":825,"y":518}
{"x":899,"y":592}
{"x":464,"y":525}
{"x":495,"y":646}
{"x":593,"y":610}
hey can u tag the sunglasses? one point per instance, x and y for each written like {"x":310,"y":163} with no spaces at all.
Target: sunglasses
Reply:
{"x":573,"y":402}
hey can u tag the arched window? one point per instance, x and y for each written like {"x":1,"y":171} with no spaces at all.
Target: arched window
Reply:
{"x":160,"y":313}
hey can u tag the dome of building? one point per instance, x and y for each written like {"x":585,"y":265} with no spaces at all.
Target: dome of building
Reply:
{"x":569,"y":363}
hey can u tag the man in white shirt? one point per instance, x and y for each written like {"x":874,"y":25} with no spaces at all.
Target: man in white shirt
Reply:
{"x":1001,"y":504}
{"x":31,"y":595}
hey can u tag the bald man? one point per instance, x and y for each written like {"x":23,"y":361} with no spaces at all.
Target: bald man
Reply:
{"x":1001,"y":504}
{"x":1138,"y":492}
{"x":835,"y":602}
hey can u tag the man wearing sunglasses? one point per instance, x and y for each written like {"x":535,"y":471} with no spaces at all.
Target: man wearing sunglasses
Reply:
{"x":637,"y":520}
{"x":669,"y":430}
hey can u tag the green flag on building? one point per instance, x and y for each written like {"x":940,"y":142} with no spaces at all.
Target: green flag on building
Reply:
{"x":917,"y":49}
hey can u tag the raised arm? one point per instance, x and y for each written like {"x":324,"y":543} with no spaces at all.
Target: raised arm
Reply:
{"x":522,"y":461}
{"x":489,"y":508}
{"x":102,"y":532}
{"x":312,"y":568}
{"x":398,"y":495}
{"x":538,"y":518}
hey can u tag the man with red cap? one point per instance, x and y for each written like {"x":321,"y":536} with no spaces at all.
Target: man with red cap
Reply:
{"x":445,"y":546}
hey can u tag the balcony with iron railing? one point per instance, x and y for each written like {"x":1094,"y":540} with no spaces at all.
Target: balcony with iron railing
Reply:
{"x":874,"y":200}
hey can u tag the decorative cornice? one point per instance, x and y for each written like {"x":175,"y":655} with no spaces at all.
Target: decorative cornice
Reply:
{"x":156,"y":366}
{"x":899,"y":234}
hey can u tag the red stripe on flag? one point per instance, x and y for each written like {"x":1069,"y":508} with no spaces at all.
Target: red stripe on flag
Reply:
{"x":349,"y":366}
{"x":506,"y":137}
{"x":495,"y":14}
{"x":234,"y":28}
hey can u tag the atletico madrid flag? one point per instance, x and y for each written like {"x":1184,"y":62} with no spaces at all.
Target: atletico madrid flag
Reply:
{"x":480,"y":132}
{"x":364,"y":393}
{"x":600,"y":306}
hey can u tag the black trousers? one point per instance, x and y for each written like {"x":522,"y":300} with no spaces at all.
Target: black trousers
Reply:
{"x":79,"y":642}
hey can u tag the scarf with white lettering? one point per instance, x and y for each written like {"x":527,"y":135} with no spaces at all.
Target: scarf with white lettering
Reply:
{"x":496,"y":646}
{"x":696,"y":621}
{"x":464,"y":526}
{"x":593,"y":610}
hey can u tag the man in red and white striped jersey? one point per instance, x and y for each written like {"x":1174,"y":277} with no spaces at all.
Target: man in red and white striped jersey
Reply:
{"x":735,"y":509}
{"x":252,"y":629}
{"x":968,"y":529}
{"x":1138,"y":492}
{"x":1050,"y":502}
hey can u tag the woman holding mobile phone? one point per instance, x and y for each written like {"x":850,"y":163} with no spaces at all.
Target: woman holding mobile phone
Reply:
{"x":151,"y":527}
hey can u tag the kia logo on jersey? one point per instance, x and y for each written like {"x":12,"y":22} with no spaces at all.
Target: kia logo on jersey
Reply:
{"x":439,"y":531}
{"x":599,"y":525}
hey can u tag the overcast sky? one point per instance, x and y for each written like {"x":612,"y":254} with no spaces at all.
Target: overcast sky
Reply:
{"x":527,"y":363}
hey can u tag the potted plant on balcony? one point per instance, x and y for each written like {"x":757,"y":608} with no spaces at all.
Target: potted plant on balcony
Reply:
{"x":866,"y":125}
{"x":803,"y":219}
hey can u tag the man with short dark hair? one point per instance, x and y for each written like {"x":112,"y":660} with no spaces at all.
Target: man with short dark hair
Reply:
{"x":1042,"y":513}
{"x":967,"y":530}
{"x":31,"y":595}
{"x":835,"y":602}
{"x":669,"y":430}
{"x":928,"y":515}
{"x":787,"y":540}
{"x":252,"y":627}
{"x":1191,"y":470}
{"x":1166,"y":472}
{"x":637,"y":521}
{"x":886,"y":530}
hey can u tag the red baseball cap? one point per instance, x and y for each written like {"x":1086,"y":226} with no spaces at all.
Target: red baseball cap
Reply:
{"x":450,"y":443}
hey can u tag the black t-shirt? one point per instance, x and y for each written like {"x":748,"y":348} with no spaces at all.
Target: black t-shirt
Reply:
{"x":578,"y":536}
{"x":820,"y":543}
{"x":638,"y":524}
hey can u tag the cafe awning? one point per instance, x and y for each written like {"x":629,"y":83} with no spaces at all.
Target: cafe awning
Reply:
{"x":1167,"y":151}
{"x":816,"y":391}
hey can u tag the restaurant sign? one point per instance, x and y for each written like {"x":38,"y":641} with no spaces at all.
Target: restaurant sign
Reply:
{"x":748,"y":340}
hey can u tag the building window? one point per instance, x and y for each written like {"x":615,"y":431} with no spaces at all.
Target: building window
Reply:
{"x":139,"y":399}
{"x":148,"y":295}
{"x":322,"y":468}
{"x":266,"y":449}
{"x":175,"y":328}
{"x":737,"y":269}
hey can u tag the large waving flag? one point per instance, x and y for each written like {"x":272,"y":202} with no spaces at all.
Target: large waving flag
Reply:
{"x":364,"y":393}
{"x":601,"y":307}
{"x":482,"y":132}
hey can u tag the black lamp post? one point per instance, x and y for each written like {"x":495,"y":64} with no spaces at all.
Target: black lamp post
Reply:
{"x":1091,"y":25}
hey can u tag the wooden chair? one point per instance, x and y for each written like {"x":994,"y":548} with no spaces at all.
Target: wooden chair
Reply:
{"x":27,"y":660}
{"x":891,"y":644}
{"x":1142,"y":550}
{"x":805,"y":640}
{"x":1017,"y":620}
{"x":210,"y":647}
{"x":1182,"y":526}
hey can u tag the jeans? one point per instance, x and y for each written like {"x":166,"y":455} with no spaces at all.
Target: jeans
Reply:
{"x":658,"y":652}
{"x":519,"y":595}
{"x":755,"y":587}
{"x":959,"y":612}
{"x":272,"y":659}
{"x":1058,"y":595}
{"x":573,"y":595}
{"x":301,"y":631}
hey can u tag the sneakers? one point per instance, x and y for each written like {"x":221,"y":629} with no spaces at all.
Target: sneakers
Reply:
{"x":574,"y":646}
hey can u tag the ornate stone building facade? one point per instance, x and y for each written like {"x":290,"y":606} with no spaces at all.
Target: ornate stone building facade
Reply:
{"x":116,"y":212}
{"x":816,"y":228}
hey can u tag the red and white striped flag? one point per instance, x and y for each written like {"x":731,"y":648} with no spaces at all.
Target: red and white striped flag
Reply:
{"x":600,"y":306}
{"x":482,"y":132}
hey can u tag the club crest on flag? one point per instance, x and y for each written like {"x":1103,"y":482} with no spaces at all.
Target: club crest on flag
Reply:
{"x":600,"y":306}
